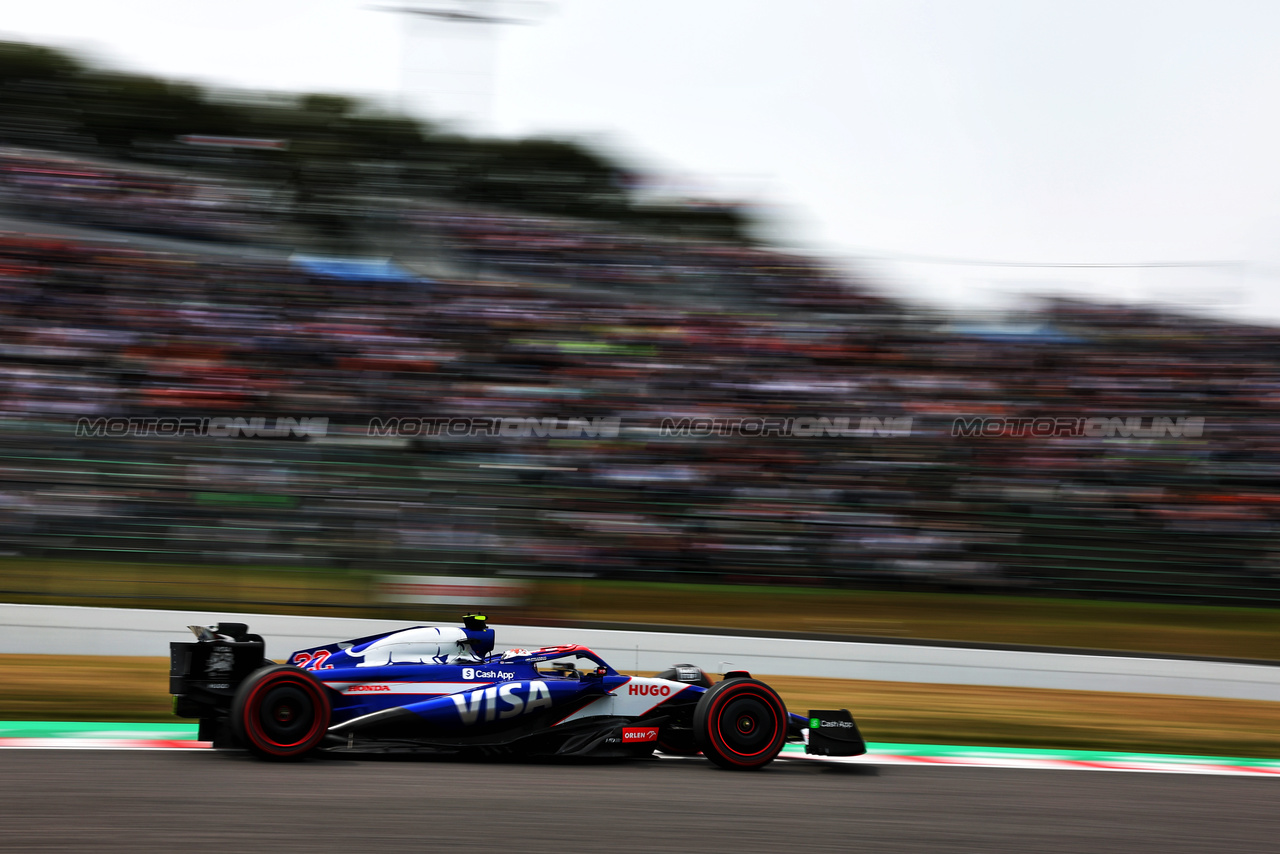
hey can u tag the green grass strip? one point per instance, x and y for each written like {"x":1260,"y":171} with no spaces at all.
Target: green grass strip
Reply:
{"x":97,"y":729}
{"x":948,"y":751}
{"x":187,"y":732}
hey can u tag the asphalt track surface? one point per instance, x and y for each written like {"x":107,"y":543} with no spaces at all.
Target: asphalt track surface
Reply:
{"x":72,"y":800}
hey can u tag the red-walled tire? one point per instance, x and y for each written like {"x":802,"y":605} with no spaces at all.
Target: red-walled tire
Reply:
{"x":740,"y":724}
{"x":280,"y":712}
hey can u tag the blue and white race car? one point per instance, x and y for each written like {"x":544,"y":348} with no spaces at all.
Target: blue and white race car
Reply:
{"x":443,"y":689}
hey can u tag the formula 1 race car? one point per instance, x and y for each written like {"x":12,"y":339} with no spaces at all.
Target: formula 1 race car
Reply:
{"x":444,"y":690}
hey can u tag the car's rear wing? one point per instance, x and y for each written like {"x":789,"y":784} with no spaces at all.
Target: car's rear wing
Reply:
{"x":204,"y":674}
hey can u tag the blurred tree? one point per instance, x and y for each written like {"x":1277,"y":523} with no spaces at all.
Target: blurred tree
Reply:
{"x":33,"y":62}
{"x":337,"y":146}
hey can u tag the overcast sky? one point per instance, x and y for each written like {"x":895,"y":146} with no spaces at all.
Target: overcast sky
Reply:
{"x":1020,"y":131}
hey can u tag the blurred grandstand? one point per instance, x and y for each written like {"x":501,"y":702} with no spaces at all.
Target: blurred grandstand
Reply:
{"x":169,"y":289}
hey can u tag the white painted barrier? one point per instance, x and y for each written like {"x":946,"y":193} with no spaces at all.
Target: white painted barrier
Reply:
{"x":42,"y":629}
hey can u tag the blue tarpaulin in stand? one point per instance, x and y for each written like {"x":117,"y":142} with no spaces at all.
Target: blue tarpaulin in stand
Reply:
{"x":356,"y":269}
{"x":1036,"y":333}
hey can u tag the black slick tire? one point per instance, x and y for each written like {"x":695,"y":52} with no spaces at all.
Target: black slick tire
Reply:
{"x":280,"y":712}
{"x":740,"y":724}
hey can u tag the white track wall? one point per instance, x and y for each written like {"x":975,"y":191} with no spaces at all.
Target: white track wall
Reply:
{"x":40,"y":629}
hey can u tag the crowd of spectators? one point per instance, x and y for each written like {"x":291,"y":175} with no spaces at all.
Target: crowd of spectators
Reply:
{"x":557,"y":250}
{"x":586,"y":324}
{"x":85,"y":192}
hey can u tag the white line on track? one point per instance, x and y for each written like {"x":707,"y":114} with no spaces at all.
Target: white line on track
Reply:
{"x":871,"y":760}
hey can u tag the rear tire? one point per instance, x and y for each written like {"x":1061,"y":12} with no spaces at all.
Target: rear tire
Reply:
{"x":740,"y":724}
{"x":280,"y":712}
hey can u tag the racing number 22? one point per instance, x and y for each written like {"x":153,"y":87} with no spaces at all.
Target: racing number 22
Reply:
{"x":312,"y":661}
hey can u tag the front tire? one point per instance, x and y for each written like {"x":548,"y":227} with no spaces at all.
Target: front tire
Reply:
{"x":740,"y":724}
{"x":280,"y":712}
